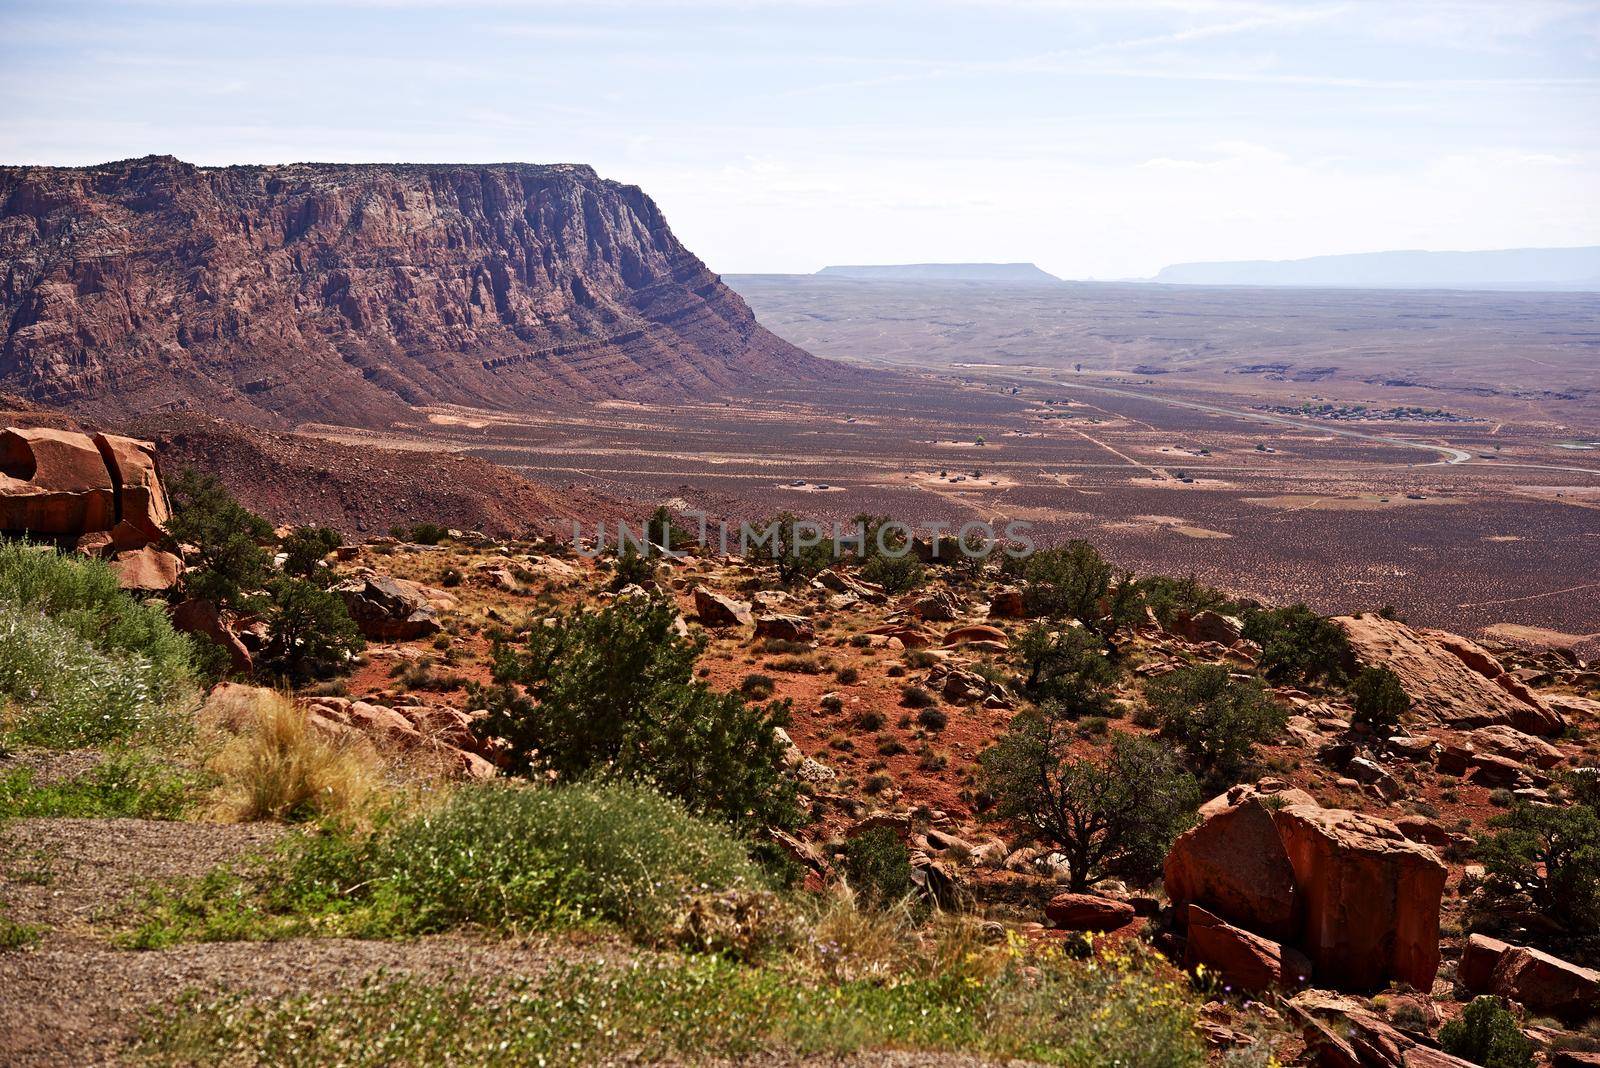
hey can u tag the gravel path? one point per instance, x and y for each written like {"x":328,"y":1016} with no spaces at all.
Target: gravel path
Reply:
{"x":73,"y":1000}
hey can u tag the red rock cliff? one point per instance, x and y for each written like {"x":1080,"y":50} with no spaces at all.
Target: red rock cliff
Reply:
{"x":350,"y":293}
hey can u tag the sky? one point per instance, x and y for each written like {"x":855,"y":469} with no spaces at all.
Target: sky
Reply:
{"x":1097,"y":138}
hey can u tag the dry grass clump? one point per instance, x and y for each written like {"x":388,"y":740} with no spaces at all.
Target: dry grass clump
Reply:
{"x":275,"y":765}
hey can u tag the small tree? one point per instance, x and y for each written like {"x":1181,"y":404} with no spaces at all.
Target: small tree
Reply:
{"x":229,"y":563}
{"x":1380,"y":699}
{"x":309,"y":631}
{"x":787,"y":545}
{"x":1066,"y":665}
{"x":1487,"y":1033}
{"x":1552,"y":855}
{"x":633,"y":568}
{"x":664,"y":530}
{"x":305,"y":549}
{"x":613,"y":692}
{"x":1113,"y":815}
{"x":1218,"y":719}
{"x":1066,"y":581}
{"x":1299,"y":647}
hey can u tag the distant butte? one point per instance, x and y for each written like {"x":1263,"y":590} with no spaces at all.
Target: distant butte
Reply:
{"x":1014,"y":273}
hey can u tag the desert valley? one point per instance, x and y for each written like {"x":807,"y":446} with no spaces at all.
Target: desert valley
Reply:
{"x":329,"y":733}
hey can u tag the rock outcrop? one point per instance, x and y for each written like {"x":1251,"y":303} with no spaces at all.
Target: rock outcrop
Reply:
{"x":1371,"y":897}
{"x":1544,"y":983}
{"x":1243,"y":960}
{"x":100,"y":494}
{"x":1350,"y":891}
{"x":351,"y":293}
{"x":388,"y":609}
{"x":1450,"y":680}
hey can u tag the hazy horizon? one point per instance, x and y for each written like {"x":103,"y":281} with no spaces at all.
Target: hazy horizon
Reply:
{"x":1097,"y":140}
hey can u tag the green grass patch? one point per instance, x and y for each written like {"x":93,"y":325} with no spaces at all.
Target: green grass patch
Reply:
{"x":501,"y":857}
{"x":1041,"y":1008}
{"x":124,"y":784}
{"x":14,"y":935}
{"x":81,"y":662}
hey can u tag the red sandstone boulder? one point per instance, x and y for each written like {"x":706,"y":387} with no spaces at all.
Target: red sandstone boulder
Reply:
{"x":1504,"y":740}
{"x":202,"y":618}
{"x":976,"y":633}
{"x":1371,"y":897}
{"x":1244,"y":961}
{"x":1088,"y":912}
{"x":1544,"y":983}
{"x":141,"y":502}
{"x":1234,"y":864}
{"x":785,"y":628}
{"x":716,"y":610}
{"x":147,"y":570}
{"x":54,"y":483}
{"x":1209,"y":626}
{"x":1007,"y":604}
{"x":385,"y":609}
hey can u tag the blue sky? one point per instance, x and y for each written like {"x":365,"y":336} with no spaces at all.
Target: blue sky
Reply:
{"x":1096,"y":138}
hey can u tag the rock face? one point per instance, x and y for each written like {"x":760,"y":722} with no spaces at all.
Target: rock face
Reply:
{"x":1087,"y":912}
{"x":350,"y":293}
{"x":99,"y":494}
{"x":388,"y":609}
{"x":1371,"y":897}
{"x":1349,"y":891}
{"x":716,"y":610}
{"x":1546,"y":984}
{"x":1233,"y":862}
{"x":1245,"y":961}
{"x":54,"y":482}
{"x":1449,"y":679}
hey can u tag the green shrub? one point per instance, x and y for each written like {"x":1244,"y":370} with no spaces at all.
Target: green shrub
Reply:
{"x":305,"y":548}
{"x":1110,"y":814}
{"x":1064,"y":664}
{"x":125,"y":784}
{"x":1217,"y":718}
{"x":228,"y":565}
{"x":510,"y":858}
{"x":1299,"y":647}
{"x":14,"y":935}
{"x":896,"y":574}
{"x":1169,"y":598}
{"x":877,"y":865}
{"x":914,"y":696}
{"x":1379,"y":699}
{"x":420,"y":533}
{"x":1551,"y":854}
{"x":309,"y":631}
{"x":933,"y":719}
{"x":1486,"y":1033}
{"x":81,"y":662}
{"x":613,"y":691}
{"x":757,"y":686}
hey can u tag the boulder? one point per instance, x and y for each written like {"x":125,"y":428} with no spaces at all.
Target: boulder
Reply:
{"x":976,"y":633}
{"x":717,"y":610}
{"x":936,"y":607}
{"x":1007,"y":604}
{"x":386,"y":609}
{"x":1444,"y":687}
{"x":1371,"y":897}
{"x":202,"y":618}
{"x":1209,"y":626}
{"x":1545,"y":984}
{"x":54,"y":483}
{"x":1478,"y":959}
{"x":141,"y":501}
{"x":1245,"y":961}
{"x":1422,"y":829}
{"x":785,"y":628}
{"x":1088,"y":912}
{"x":147,"y":570}
{"x":1234,"y":864}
